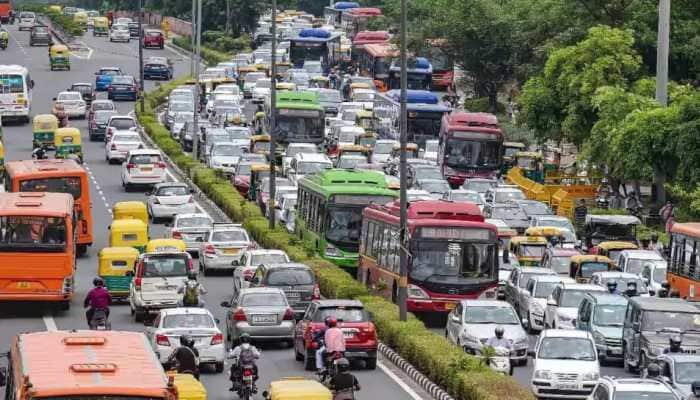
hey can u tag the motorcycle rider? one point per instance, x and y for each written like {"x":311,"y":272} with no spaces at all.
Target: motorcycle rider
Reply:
{"x":333,"y":339}
{"x":245,"y":354}
{"x":191,"y":291}
{"x":318,"y":338}
{"x":344,"y":384}
{"x":500,"y":341}
{"x":186,"y":356}
{"x":612,"y":287}
{"x":674,"y":345}
{"x":653,"y":371}
{"x":631,"y":289}
{"x":695,"y":388}
{"x":97,"y":299}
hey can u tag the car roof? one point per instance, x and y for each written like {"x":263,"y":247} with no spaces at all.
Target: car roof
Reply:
{"x":262,"y":289}
{"x":287,"y":265}
{"x":642,"y":254}
{"x":184,"y":310}
{"x":574,"y":333}
{"x":552,"y":278}
{"x":537,"y":270}
{"x":338,"y":303}
{"x":640,"y":385}
{"x":485,"y":303}
{"x":312,"y":157}
{"x":664,"y":304}
{"x":166,"y":184}
{"x":616,"y":274}
{"x":607,"y":298}
{"x":256,"y":252}
{"x":582,"y":286}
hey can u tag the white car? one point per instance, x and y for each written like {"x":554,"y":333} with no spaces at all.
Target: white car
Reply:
{"x":224,"y":156}
{"x":534,"y":300}
{"x":561,"y":311}
{"x":431,"y":150}
{"x":261,"y":90}
{"x":293,"y":149}
{"x":119,"y":123}
{"x":143,"y":167}
{"x":364,"y":96}
{"x":179,"y":120}
{"x":286,"y":204}
{"x":27,"y":19}
{"x":307,"y":163}
{"x":382,"y":150}
{"x":250,"y":261}
{"x":222,"y":98}
{"x":347,"y":134}
{"x":223,"y":245}
{"x":196,"y":322}
{"x":633,"y":261}
{"x":250,"y":81}
{"x":191,"y":229}
{"x":499,"y":195}
{"x":73,"y":104}
{"x":119,"y":33}
{"x":169,"y":199}
{"x":565,"y":365}
{"x":418,"y":194}
{"x":123,"y":21}
{"x":120,"y":144}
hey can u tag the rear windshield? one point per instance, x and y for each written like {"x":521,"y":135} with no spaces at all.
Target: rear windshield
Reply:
{"x":263,"y":300}
{"x":229,"y":236}
{"x":70,"y":185}
{"x":188,"y":321}
{"x":290,"y":276}
{"x":145,"y":159}
{"x":268,"y":259}
{"x":172,"y":191}
{"x":102,"y":105}
{"x":122,"y":123}
{"x":342,"y":314}
{"x":126,"y":139}
{"x":155,"y":266}
{"x":193,"y":222}
{"x":153,"y":34}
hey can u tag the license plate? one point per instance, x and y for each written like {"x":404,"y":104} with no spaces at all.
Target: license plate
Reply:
{"x":146,"y":169}
{"x":265,"y":318}
{"x":616,"y":352}
{"x":231,"y":251}
{"x":23,"y":285}
{"x":450,"y":306}
{"x":348,"y":334}
{"x":295,"y":295}
{"x":567,"y":386}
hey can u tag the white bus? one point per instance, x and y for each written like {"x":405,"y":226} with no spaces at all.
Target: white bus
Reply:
{"x":15,"y":92}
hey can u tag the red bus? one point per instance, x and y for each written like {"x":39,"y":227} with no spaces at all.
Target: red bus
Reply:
{"x":5,"y":11}
{"x":355,"y":20}
{"x":443,"y":64}
{"x":453,"y":253}
{"x":375,"y":61}
{"x":470,"y":146}
{"x":367,"y":37}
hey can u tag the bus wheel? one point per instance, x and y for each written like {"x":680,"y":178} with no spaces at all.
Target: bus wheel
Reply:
{"x":64,"y":305}
{"x":81,"y":250}
{"x":395,"y":293}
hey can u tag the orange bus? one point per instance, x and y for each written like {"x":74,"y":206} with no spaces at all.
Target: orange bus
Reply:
{"x":62,"y":176}
{"x":683,"y":270}
{"x":375,"y":61}
{"x":105,"y":365}
{"x":36,"y":247}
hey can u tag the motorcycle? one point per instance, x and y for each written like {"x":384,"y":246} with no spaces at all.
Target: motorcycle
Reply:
{"x":245,"y":387}
{"x":99,"y":321}
{"x":331,"y":367}
{"x":500,"y":361}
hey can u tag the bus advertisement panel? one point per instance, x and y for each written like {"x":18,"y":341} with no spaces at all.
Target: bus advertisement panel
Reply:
{"x":59,"y":176}
{"x":37,"y":247}
{"x":453,"y":253}
{"x":424,"y":115}
{"x":329,"y":211}
{"x":15,"y":92}
{"x":470,"y":146}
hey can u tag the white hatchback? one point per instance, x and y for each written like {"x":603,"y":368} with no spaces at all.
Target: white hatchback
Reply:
{"x":120,"y":144}
{"x":73,"y":104}
{"x":250,"y":261}
{"x":143,"y":167}
{"x":119,"y":32}
{"x":169,"y":199}
{"x":27,"y":20}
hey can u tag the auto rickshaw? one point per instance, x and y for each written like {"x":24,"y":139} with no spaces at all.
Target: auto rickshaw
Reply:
{"x":43,"y":128}
{"x":282,"y":68}
{"x":101,"y":27}
{"x":242,"y":72}
{"x":358,"y":85}
{"x":288,"y":86}
{"x":529,"y":250}
{"x":297,"y":389}
{"x":116,"y":268}
{"x":260,"y":144}
{"x":367,"y":139}
{"x":553,"y":235}
{"x":365,"y":119}
{"x":355,"y":149}
{"x":602,"y":228}
{"x":612,"y":249}
{"x":165,"y":244}
{"x":55,"y":8}
{"x":320,"y":82}
{"x":130,"y":210}
{"x":67,"y":143}
{"x":59,"y":57}
{"x":411,"y":151}
{"x":188,"y":387}
{"x":128,"y":233}
{"x":81,"y":18}
{"x":257,"y":173}
{"x":582,"y":268}
{"x":531,"y":164}
{"x":509,"y":151}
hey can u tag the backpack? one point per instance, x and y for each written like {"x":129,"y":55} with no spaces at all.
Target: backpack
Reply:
{"x":247,"y":357}
{"x":191,"y":296}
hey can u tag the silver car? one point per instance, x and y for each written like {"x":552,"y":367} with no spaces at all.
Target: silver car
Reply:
{"x":169,"y":199}
{"x":191,"y":228}
{"x":263,"y":313}
{"x":296,"y":280}
{"x":223,"y":245}
{"x":224,"y":156}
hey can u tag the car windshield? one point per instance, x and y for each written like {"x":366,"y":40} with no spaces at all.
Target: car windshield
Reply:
{"x":153,"y":34}
{"x":439,"y":187}
{"x":122,"y":123}
{"x":294,"y":150}
{"x":531,"y":250}
{"x":227,"y":150}
{"x":254,"y":77}
{"x":237,"y":133}
{"x":165,"y":265}
{"x":329,"y":96}
{"x":456,"y":261}
{"x":589,"y":268}
{"x":426,"y":173}
{"x":183,"y":117}
{"x":342,"y":314}
{"x":243,"y":169}
{"x":560,"y":265}
{"x":566,"y":348}
{"x":172,"y":191}
{"x":471,"y":197}
{"x":687,"y":372}
{"x":122,"y":80}
{"x":571,"y":298}
{"x":534,"y":208}
{"x":81,"y":88}
{"x":504,"y":196}
{"x":643,"y":395}
{"x":40,"y":29}
{"x":180,"y":106}
{"x":383,"y":148}
{"x":188,"y":321}
{"x":431,"y":146}
{"x":658,"y":320}
{"x":350,"y":162}
{"x":194,"y":222}
{"x":229,"y":236}
{"x":554,"y":222}
{"x":508,"y":213}
{"x":259,"y":259}
{"x":525,"y":276}
{"x":478,"y":186}
{"x":609,"y":315}
{"x":268,"y":299}
{"x":102,"y":105}
{"x":490,"y":315}
{"x":544,"y":289}
{"x":363,"y":96}
{"x":263,"y":84}
{"x":305,"y":168}
{"x":142,"y":159}
{"x":290,"y":276}
{"x":126,"y":138}
{"x":659,"y":275}
{"x":102,"y":116}
{"x":636,"y":265}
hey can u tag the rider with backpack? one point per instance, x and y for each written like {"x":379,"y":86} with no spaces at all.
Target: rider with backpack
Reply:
{"x":245,"y":354}
{"x":186,"y":357}
{"x":344,"y":384}
{"x":192,"y":291}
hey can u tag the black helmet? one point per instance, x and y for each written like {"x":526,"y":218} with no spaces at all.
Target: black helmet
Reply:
{"x":98,"y":282}
{"x":244,"y":338}
{"x":343,"y":364}
{"x":675,"y":341}
{"x":185,"y":340}
{"x":499,"y":331}
{"x":695,"y":387}
{"x":612,"y":285}
{"x":653,"y":370}
{"x":331,"y":321}
{"x":666,"y":285}
{"x":662,"y":293}
{"x":192,"y":274}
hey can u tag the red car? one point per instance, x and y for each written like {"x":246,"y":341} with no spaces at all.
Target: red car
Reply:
{"x":153,"y":38}
{"x":360,"y":333}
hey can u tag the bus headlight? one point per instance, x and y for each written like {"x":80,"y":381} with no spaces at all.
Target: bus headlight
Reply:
{"x":332,"y":251}
{"x":67,"y":285}
{"x":417,"y":293}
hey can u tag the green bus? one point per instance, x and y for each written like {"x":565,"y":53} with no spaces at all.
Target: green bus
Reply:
{"x":300,"y":118}
{"x":329,"y":211}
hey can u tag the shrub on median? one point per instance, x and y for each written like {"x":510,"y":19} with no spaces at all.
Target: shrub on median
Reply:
{"x":210,"y":56}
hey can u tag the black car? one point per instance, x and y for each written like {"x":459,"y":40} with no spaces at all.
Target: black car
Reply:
{"x":85,"y":89}
{"x":40,"y":35}
{"x":134,"y":29}
{"x":122,"y":87}
{"x":97,"y":126}
{"x":160,"y":68}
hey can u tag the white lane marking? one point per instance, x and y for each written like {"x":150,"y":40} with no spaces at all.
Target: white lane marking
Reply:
{"x":99,"y":189}
{"x":19,"y":44}
{"x":50,"y":323}
{"x":399,"y":381}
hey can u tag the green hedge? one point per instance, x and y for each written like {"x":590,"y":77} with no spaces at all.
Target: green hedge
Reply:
{"x":209,"y":55}
{"x":463,"y":376}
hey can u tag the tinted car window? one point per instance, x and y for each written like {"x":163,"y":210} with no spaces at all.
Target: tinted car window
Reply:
{"x":344,"y":314}
{"x":291,"y":276}
{"x":166,"y":265}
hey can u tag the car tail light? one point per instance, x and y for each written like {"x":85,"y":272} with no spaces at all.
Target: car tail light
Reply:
{"x":239,"y":315}
{"x":130,"y":166}
{"x":191,"y":200}
{"x":289,"y":315}
{"x":317,"y":293}
{"x":160,"y":165}
{"x":162,"y":340}
{"x":247,"y":372}
{"x":137,"y":283}
{"x":176,"y":235}
{"x":217,"y":339}
{"x":209,"y":249}
{"x":110,"y":130}
{"x":190,"y":264}
{"x":114,"y":147}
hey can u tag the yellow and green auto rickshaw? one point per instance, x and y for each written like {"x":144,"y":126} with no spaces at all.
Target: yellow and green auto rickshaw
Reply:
{"x":67,"y":143}
{"x":242,"y":72}
{"x":130,"y":209}
{"x":582,"y":268}
{"x":531,"y":164}
{"x":43,"y":128}
{"x":116,"y":268}
{"x":282,"y":68}
{"x":258,"y":172}
{"x":286,"y":86}
{"x":529,"y":250}
{"x":260,"y":144}
{"x":165,"y":244}
{"x":365,"y":119}
{"x":128,"y":233}
{"x":613,"y":248}
{"x":294,"y":388}
{"x":101,"y":26}
{"x":367,"y":139}
{"x":553,"y":234}
{"x":81,"y":18}
{"x":320,"y":82}
{"x":59,"y":57}
{"x":411,"y":151}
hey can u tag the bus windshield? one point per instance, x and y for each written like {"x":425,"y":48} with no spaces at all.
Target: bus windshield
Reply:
{"x":466,"y":153}
{"x":32,"y":233}
{"x":70,"y":185}
{"x":344,"y":223}
{"x":302,"y":53}
{"x":441,"y":259}
{"x":423,"y":126}
{"x":11,"y":83}
{"x":300,"y":125}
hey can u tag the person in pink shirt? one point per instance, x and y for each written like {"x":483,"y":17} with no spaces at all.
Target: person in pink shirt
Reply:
{"x":334,"y":341}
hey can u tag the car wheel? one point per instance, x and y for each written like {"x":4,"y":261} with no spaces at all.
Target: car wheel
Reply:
{"x":297,"y":356}
{"x":523,"y":362}
{"x":139,"y":316}
{"x":309,"y":361}
{"x":219,"y":367}
{"x":371,"y":363}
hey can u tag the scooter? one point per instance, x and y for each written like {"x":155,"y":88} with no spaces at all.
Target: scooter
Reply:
{"x":500,"y":362}
{"x":99,"y":321}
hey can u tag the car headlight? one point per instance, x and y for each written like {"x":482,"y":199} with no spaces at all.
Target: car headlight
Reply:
{"x":591,"y":376}
{"x":521,"y":340}
{"x":536,"y":308}
{"x":417,"y":293}
{"x":543,"y":374}
{"x":598,"y":337}
{"x":470,"y":338}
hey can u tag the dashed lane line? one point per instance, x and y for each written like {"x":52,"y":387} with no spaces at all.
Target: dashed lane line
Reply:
{"x":19,"y":44}
{"x":49,"y":323}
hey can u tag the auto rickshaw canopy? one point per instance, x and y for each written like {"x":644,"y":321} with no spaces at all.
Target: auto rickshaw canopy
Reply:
{"x":128,"y":233}
{"x":165,"y":244}
{"x":297,"y":389}
{"x":582,"y":267}
{"x":67,"y":137}
{"x":130,"y":209}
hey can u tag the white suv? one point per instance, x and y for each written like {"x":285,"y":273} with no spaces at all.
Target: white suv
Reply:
{"x":565,"y":365}
{"x":610,"y":388}
{"x":562,"y":305}
{"x":143,"y":167}
{"x":27,"y":20}
{"x":307,"y":163}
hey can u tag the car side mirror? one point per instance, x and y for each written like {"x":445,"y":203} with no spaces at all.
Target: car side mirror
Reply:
{"x":235,"y":263}
{"x":226,"y":304}
{"x":455,"y":318}
{"x":54,"y":99}
{"x":97,"y":73}
{"x":552,"y":302}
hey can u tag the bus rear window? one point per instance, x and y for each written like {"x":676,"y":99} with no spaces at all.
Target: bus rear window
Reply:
{"x":32,"y":233}
{"x":70,"y":185}
{"x":11,"y":83}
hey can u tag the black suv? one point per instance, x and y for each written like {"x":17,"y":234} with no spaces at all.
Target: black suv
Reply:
{"x":40,"y":35}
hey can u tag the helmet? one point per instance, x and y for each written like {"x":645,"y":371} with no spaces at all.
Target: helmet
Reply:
{"x":695,"y":387}
{"x":244,"y":338}
{"x":612,"y":285}
{"x":192,"y":274}
{"x":654,"y":236}
{"x":662,"y":293}
{"x":499,"y":331}
{"x":98,"y":282}
{"x":666,"y":285}
{"x":331,"y":322}
{"x":343,"y":364}
{"x":653,"y":370}
{"x":675,"y":341}
{"x":185,"y":340}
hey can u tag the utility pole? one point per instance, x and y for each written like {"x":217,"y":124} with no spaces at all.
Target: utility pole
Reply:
{"x":403,"y":229}
{"x":194,"y":35}
{"x":141,"y":87}
{"x":273,"y":121}
{"x":662,"y":52}
{"x":197,"y":94}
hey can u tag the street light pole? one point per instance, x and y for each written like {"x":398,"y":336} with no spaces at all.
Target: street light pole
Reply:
{"x":273,"y":121}
{"x":662,"y":52}
{"x":141,"y":87}
{"x":403,"y":231}
{"x":193,"y":36}
{"x":197,"y":94}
